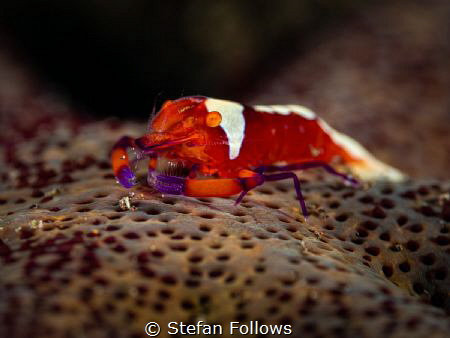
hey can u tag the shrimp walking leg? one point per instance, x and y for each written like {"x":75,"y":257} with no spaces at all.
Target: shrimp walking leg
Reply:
{"x":310,"y":165}
{"x":289,"y":174}
{"x":277,"y":177}
{"x":286,"y":175}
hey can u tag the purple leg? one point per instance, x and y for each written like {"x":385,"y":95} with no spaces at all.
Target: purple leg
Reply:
{"x":278,"y":177}
{"x":282,"y":176}
{"x":310,"y":165}
{"x":289,"y":174}
{"x":241,"y":196}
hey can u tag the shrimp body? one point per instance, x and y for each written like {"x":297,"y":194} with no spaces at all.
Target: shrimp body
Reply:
{"x":232,"y":146}
{"x":268,"y":137}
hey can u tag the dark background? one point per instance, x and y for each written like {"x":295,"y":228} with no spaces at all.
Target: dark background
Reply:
{"x":116,"y":57}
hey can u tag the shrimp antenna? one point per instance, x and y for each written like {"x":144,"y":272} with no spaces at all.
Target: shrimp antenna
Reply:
{"x":153,"y":113}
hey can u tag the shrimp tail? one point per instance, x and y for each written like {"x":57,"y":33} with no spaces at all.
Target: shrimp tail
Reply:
{"x":361,"y":162}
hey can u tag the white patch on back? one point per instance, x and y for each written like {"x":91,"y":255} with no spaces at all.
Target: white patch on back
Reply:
{"x":233,"y":122}
{"x":287,"y":109}
{"x":346,"y":142}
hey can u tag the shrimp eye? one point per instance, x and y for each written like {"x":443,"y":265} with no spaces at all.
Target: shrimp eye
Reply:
{"x":213,"y":119}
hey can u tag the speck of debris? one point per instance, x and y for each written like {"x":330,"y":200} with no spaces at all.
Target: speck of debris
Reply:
{"x":36,"y":223}
{"x":54,"y":192}
{"x":124,"y":203}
